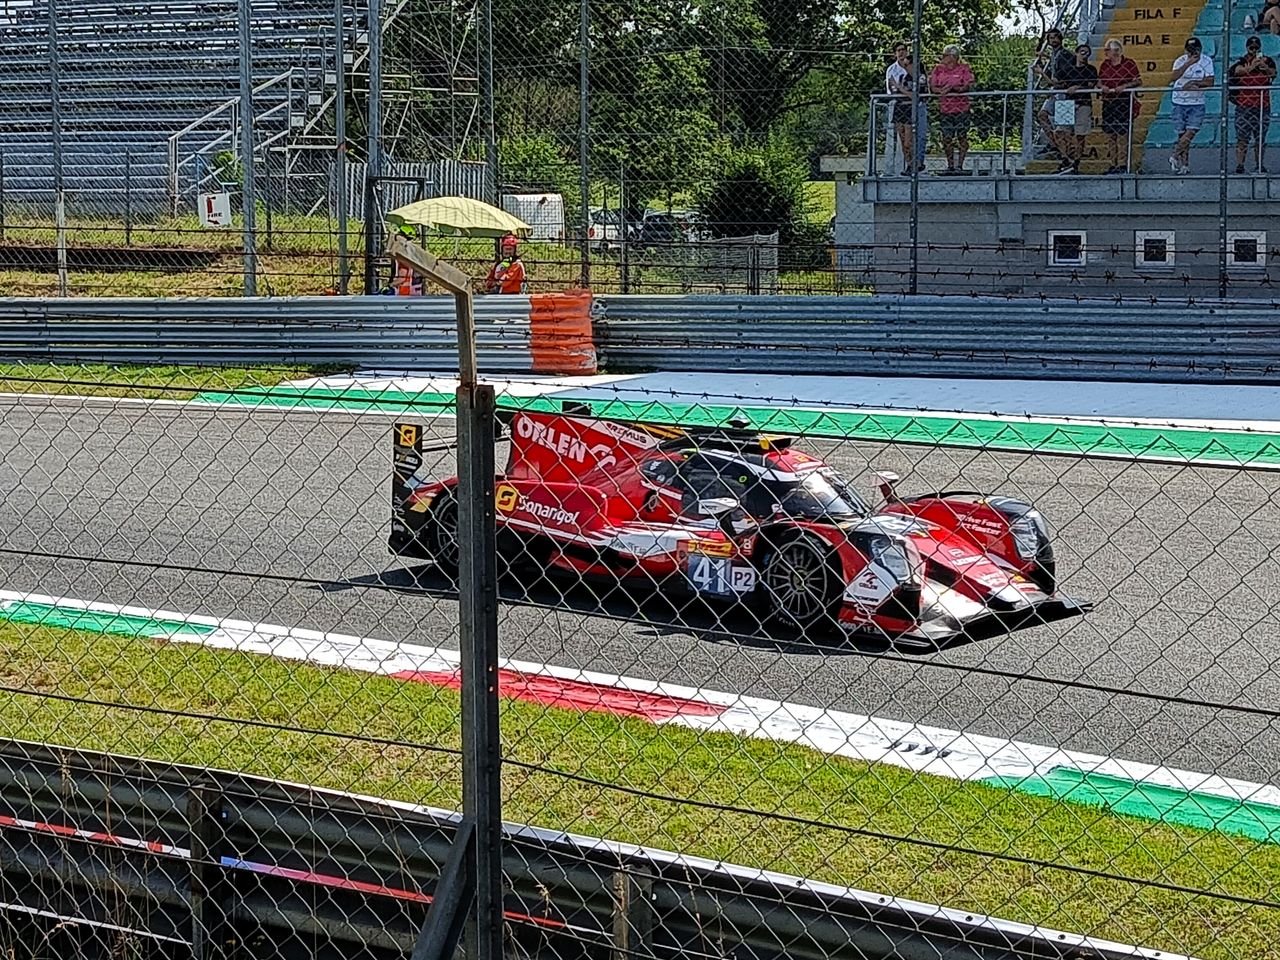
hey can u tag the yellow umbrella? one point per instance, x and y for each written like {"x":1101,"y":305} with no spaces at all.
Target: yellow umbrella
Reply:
{"x":459,"y":216}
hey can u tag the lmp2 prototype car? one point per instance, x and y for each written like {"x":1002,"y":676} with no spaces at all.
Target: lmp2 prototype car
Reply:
{"x":742,"y":516}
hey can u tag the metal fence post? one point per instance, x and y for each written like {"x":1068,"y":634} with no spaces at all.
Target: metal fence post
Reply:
{"x":248,"y":201}
{"x":340,"y":136}
{"x":478,"y":647}
{"x":55,"y":117}
{"x":487,"y":103}
{"x":2,"y":197}
{"x":584,"y":119}
{"x":1224,"y":68}
{"x":916,"y":141}
{"x":128,"y":197}
{"x":373,"y":149}
{"x":479,"y":839}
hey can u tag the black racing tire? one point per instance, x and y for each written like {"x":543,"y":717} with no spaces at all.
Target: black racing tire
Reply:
{"x":441,"y":533}
{"x":801,"y":581}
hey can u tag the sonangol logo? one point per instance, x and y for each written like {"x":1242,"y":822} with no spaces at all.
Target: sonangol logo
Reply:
{"x":549,"y":513}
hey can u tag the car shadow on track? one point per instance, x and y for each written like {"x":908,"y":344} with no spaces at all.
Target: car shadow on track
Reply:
{"x":657,"y":615}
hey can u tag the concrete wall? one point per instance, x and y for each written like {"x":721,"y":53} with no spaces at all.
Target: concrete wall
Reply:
{"x":994,"y":237}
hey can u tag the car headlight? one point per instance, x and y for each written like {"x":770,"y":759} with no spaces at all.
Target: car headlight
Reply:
{"x":1030,"y":534}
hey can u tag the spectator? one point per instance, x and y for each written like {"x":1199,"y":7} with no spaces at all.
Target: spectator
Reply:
{"x":1078,"y":80}
{"x":1117,"y":75}
{"x":1050,"y":60}
{"x":1192,"y":76}
{"x":950,"y":77}
{"x":1251,"y":77}
{"x":1269,"y":18}
{"x":899,"y":80}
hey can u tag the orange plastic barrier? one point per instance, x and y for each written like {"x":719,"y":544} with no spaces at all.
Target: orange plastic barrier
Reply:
{"x":562,"y":339}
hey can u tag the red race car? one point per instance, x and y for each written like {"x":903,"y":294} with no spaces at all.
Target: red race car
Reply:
{"x":735,"y":514}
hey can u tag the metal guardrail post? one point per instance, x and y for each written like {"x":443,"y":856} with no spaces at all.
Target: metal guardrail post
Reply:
{"x":633,"y":917}
{"x":208,"y":911}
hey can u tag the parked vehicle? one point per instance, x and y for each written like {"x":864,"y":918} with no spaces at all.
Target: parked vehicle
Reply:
{"x":605,"y":229}
{"x":544,"y":212}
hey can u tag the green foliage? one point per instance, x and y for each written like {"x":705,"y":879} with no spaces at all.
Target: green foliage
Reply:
{"x":661,"y":127}
{"x":227,"y":169}
{"x":536,"y":163}
{"x":759,"y":189}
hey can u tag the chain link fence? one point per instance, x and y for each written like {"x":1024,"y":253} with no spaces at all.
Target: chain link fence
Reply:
{"x":1016,"y":672}
{"x":736,"y":149}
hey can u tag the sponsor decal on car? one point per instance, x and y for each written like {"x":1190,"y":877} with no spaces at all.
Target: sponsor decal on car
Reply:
{"x":984,"y":525}
{"x":548,"y":513}
{"x":871,"y":587}
{"x":563,"y":444}
{"x":959,"y":557}
{"x":710,"y":548}
{"x":506,"y":498}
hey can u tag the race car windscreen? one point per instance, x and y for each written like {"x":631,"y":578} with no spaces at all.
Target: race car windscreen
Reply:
{"x":818,"y":493}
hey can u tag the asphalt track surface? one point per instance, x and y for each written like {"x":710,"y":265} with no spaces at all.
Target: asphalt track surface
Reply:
{"x":281,"y":517}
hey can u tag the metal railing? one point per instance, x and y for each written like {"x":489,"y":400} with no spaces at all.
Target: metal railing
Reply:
{"x":198,"y":854}
{"x":230,"y":108}
{"x":840,"y":335}
{"x":1004,"y":127}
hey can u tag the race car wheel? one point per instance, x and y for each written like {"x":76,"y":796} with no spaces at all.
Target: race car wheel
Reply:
{"x":802,"y":581}
{"x":442,"y":533}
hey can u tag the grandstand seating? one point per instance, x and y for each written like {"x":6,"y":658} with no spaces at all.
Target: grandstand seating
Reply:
{"x":1208,"y":27}
{"x":132,"y":73}
{"x":1154,"y":32}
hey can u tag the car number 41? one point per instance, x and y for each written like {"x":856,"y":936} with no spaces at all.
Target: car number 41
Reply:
{"x":718,"y":575}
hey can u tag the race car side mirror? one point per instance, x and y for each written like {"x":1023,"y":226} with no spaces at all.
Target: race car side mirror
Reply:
{"x":721,"y":509}
{"x":888,"y":484}
{"x":717,"y":506}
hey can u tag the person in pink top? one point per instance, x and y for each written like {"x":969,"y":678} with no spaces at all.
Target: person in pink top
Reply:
{"x":949,"y":79}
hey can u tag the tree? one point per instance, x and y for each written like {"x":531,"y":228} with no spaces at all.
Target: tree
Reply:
{"x":659,"y":127}
{"x":760,"y":189}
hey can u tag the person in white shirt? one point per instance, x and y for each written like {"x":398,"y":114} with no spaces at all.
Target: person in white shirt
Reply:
{"x":899,"y":79}
{"x":1192,"y":76}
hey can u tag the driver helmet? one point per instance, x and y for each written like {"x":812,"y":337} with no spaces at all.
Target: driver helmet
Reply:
{"x":510,"y":243}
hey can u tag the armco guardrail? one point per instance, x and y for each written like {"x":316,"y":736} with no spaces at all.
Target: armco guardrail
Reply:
{"x":371,"y":331}
{"x":942,"y":336}
{"x":916,"y":336}
{"x":191,"y":856}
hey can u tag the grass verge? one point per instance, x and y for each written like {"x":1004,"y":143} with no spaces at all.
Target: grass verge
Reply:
{"x":830,"y":798}
{"x":148,"y":382}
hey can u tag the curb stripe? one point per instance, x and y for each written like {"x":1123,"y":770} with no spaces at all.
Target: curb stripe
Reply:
{"x":1156,"y":793}
{"x":1130,"y":441}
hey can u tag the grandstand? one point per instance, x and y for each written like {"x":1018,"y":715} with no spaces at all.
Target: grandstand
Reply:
{"x":149,"y":93}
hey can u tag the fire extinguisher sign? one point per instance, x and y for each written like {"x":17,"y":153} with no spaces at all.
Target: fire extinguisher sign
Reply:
{"x":214,"y":209}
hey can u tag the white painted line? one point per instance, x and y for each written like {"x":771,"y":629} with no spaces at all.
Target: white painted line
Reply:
{"x":923,"y":749}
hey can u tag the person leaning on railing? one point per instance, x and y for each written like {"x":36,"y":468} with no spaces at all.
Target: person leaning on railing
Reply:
{"x":950,"y":77}
{"x":899,"y":79}
{"x":1251,"y":77}
{"x":1117,"y":75}
{"x":1050,"y":60}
